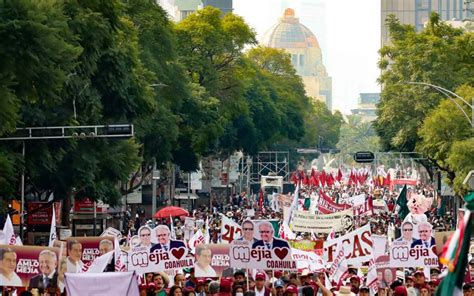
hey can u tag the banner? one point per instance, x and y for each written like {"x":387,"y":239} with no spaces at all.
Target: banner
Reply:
{"x":21,"y":266}
{"x":339,"y":267}
{"x":385,"y":274}
{"x":87,"y":250}
{"x":110,"y":283}
{"x":307,"y":260}
{"x":306,"y":222}
{"x":354,"y":200}
{"x":380,"y":245}
{"x":100,"y":263}
{"x":145,"y":261}
{"x":189,"y":224}
{"x":229,"y":230}
{"x":243,"y":255}
{"x":110,"y":231}
{"x":364,"y":209}
{"x":327,"y":206}
{"x":211,"y":260}
{"x":402,"y":254}
{"x":357,"y":247}
{"x":264,"y":252}
{"x":315,"y":246}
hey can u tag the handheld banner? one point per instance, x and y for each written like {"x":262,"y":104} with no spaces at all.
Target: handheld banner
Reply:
{"x":211,"y":260}
{"x":357,"y":246}
{"x":143,"y":261}
{"x":306,"y":222}
{"x":24,"y":266}
{"x":83,"y":250}
{"x":402,"y":254}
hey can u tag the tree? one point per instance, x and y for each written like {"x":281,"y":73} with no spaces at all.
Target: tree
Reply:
{"x":356,"y":135}
{"x":445,"y":137}
{"x":438,"y":55}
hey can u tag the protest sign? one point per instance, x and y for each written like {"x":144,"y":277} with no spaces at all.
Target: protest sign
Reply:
{"x":229,"y":230}
{"x":189,"y":224}
{"x":20,"y":266}
{"x":243,"y":255}
{"x":307,"y":222}
{"x":89,"y":247}
{"x":339,"y":267}
{"x":307,"y":245}
{"x":327,"y":206}
{"x":357,"y":246}
{"x":402,"y":254}
{"x":380,"y":245}
{"x":145,"y":261}
{"x":363,"y":209}
{"x":262,"y":252}
{"x":307,"y":260}
{"x":354,"y":200}
{"x":211,"y":260}
{"x":110,"y":231}
{"x":385,"y":274}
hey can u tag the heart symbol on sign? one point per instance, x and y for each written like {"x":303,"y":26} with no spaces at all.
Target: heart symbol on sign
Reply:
{"x":281,"y":252}
{"x":178,"y":253}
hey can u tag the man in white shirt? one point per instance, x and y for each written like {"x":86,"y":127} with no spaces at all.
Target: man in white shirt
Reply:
{"x":74,"y":250}
{"x":202,"y":267}
{"x":8,"y":276}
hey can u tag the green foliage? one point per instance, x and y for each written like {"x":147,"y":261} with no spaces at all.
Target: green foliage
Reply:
{"x":438,"y":55}
{"x":323,"y":127}
{"x":356,"y":135}
{"x":414,"y":117}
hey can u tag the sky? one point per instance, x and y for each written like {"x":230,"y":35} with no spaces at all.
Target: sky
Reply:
{"x":347,"y":30}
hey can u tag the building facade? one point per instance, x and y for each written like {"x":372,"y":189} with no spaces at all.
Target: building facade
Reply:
{"x":367,"y":106}
{"x":306,"y":56}
{"x":417,"y":12}
{"x":178,"y":10}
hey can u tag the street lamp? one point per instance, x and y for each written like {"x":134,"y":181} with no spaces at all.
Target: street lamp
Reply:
{"x":449,"y":95}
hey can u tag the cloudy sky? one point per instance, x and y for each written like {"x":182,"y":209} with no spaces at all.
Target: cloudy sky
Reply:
{"x":347,"y":30}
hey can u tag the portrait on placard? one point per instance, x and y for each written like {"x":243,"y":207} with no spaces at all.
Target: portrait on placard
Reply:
{"x":163,"y":235}
{"x":248,"y":231}
{"x":145,"y":235}
{"x":267,"y":237}
{"x":29,"y":266}
{"x":211,"y":260}
{"x":81,"y":251}
{"x":406,"y":232}
{"x":441,"y":237}
{"x":427,"y":240}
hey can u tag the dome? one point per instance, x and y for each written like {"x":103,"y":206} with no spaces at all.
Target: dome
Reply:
{"x":289,"y":33}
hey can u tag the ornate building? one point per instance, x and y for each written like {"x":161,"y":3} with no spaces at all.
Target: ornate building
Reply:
{"x":306,"y":56}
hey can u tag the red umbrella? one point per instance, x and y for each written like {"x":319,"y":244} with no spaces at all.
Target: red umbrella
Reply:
{"x":171,"y":212}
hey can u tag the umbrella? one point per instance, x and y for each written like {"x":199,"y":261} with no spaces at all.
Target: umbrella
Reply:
{"x":171,"y":212}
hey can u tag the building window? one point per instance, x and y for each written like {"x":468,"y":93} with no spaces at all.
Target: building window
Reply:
{"x":301,"y":60}
{"x":294,"y":60}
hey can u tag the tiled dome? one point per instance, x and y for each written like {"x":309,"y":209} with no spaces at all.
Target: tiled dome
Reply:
{"x":289,"y":33}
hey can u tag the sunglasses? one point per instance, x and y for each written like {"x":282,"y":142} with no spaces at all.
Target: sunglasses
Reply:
{"x":247,"y":229}
{"x":265,"y":231}
{"x":407,"y":229}
{"x":144,"y":234}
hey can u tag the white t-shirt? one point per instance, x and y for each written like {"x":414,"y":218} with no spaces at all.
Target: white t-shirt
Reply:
{"x":15,"y":280}
{"x":74,"y":268}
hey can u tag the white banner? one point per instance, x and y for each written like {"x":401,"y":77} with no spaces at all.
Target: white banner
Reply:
{"x":196,"y":239}
{"x":99,"y":264}
{"x":229,"y":230}
{"x":52,"y":231}
{"x":357,"y":246}
{"x":8,"y":232}
{"x":339,"y":268}
{"x":110,"y":231}
{"x":306,"y":222}
{"x":107,"y":283}
{"x":354,"y":200}
{"x":380,"y":245}
{"x":309,"y":260}
{"x":242,"y":255}
{"x":403,"y":255}
{"x":144,"y":261}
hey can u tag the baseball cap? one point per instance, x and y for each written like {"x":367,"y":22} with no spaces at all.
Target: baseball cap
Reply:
{"x":201,"y":282}
{"x":279,"y":284}
{"x":354,"y":277}
{"x":260,"y":276}
{"x":292,"y":289}
{"x":400,"y":291}
{"x":419,"y":272}
{"x":278,"y":274}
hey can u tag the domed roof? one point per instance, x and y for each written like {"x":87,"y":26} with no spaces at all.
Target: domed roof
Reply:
{"x":289,"y":33}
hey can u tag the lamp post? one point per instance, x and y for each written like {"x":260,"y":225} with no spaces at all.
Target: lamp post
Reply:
{"x":449,"y":95}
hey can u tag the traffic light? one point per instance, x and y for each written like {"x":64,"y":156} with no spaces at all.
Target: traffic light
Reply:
{"x":364,"y":156}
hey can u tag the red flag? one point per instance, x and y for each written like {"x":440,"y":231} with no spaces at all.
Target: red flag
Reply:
{"x":322,"y":178}
{"x":330,"y":180}
{"x":339,"y":175}
{"x":260,"y":199}
{"x":294,"y":178}
{"x":386,"y":182}
{"x":313,"y":173}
